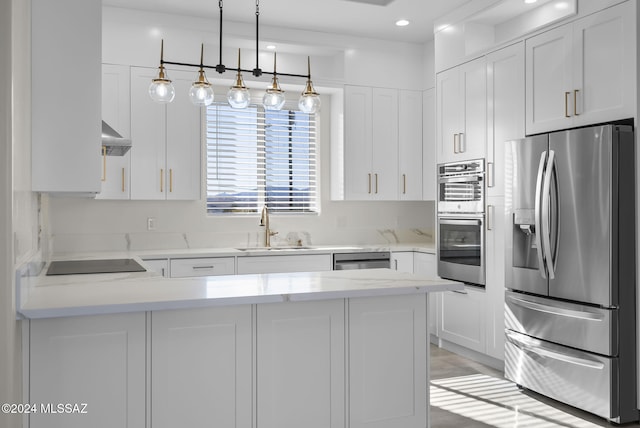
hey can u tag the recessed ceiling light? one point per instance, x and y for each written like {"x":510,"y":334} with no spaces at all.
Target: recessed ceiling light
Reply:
{"x":530,"y":1}
{"x":271,"y":47}
{"x":402,"y":23}
{"x":562,"y":5}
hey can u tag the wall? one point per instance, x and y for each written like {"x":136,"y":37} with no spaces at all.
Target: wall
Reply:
{"x":133,"y":37}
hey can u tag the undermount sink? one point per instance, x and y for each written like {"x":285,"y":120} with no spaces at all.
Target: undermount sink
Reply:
{"x":301,"y":247}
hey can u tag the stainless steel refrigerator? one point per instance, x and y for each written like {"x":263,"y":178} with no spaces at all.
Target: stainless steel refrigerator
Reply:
{"x":570,"y":310}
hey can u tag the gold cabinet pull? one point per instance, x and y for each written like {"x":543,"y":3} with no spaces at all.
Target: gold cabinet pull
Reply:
{"x":575,"y":102}
{"x":404,"y":184}
{"x":122,"y":180}
{"x":170,"y":180}
{"x":161,"y":180}
{"x":376,"y":175}
{"x":566,"y":104}
{"x":455,"y":146}
{"x":369,"y":183}
{"x":462,"y":145}
{"x":104,"y":164}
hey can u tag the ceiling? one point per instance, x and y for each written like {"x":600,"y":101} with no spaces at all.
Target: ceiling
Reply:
{"x":366,"y":18}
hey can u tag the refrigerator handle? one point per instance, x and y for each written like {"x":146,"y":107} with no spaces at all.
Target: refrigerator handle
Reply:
{"x":537,"y":214}
{"x":546,"y":214}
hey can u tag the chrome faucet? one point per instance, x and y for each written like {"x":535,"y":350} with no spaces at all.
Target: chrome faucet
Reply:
{"x":264,"y":221}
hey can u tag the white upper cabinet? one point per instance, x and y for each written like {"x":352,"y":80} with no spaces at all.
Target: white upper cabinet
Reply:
{"x":410,"y":145}
{"x":582,"y":73}
{"x":65,"y":90}
{"x":461,"y":112}
{"x":429,"y":145}
{"x":116,"y":112}
{"x":166,"y":140}
{"x":383,"y":144}
{"x":505,"y":110}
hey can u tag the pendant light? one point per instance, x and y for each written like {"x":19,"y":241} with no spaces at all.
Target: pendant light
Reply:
{"x":238,"y":95}
{"x":274,"y":96}
{"x":201,"y":92}
{"x":161,"y":90}
{"x":309,"y":100}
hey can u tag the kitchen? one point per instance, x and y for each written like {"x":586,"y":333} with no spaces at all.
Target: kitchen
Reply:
{"x":77,"y":225}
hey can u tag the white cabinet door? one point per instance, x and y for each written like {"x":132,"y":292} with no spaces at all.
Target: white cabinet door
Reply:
{"x":384,"y":161}
{"x":97,"y":360}
{"x":204,"y":266}
{"x":461,"y":113}
{"x":160,"y":266}
{"x":357,"y":142}
{"x":604,"y":76}
{"x":495,"y":282}
{"x":65,"y":90}
{"x":388,"y":362}
{"x":402,"y":261}
{"x":184,"y":144}
{"x":505,"y":110}
{"x":201,"y":371}
{"x":166,"y":144}
{"x":429,"y":171}
{"x":410,"y":142}
{"x":287,"y":263}
{"x":301,"y":365}
{"x":461,"y":318}
{"x":148,"y":138}
{"x":116,"y":112}
{"x":548,"y":80}
{"x":582,"y":73}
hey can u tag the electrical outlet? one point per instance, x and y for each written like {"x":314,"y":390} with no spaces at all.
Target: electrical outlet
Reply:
{"x":151,"y":223}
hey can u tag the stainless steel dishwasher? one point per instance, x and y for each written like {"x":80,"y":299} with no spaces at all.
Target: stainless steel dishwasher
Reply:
{"x":362,"y":260}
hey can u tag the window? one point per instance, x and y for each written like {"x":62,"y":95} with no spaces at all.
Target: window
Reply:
{"x":257,"y":157}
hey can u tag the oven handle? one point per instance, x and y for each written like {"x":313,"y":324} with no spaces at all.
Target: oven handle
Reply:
{"x":464,"y":179}
{"x":461,"y":222}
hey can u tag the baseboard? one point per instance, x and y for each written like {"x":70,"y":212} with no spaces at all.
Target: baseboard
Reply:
{"x":469,"y":353}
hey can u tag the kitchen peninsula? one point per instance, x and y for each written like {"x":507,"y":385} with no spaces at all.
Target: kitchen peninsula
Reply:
{"x":319,"y":349}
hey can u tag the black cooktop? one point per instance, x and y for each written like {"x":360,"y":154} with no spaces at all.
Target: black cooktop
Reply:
{"x":74,"y":267}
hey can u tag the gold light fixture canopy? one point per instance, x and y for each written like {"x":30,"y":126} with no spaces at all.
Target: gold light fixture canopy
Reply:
{"x":238,"y":95}
{"x":309,"y":100}
{"x":161,"y":89}
{"x":201,"y":92}
{"x":274,"y":96}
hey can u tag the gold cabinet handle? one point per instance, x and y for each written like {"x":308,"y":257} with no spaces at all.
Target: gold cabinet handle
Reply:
{"x":376,"y":176}
{"x":369,"y":183}
{"x":456,"y":143}
{"x":122,"y":180}
{"x":170,"y":180}
{"x":104,"y":164}
{"x":161,"y":180}
{"x":462,"y":145}
{"x":566,"y":104}
{"x":404,"y":184}
{"x":575,"y":102}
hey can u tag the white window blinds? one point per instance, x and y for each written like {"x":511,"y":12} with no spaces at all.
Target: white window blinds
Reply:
{"x":257,"y":157}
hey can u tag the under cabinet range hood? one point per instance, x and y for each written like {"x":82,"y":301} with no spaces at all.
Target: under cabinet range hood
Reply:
{"x":113,"y":144}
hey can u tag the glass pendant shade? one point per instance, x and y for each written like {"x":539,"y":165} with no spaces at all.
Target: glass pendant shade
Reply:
{"x":274,"y":96}
{"x":309,"y":100}
{"x":238,"y":95}
{"x":161,"y":90}
{"x":201,"y":92}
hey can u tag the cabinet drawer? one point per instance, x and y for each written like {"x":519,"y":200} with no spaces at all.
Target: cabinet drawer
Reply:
{"x":461,"y":318}
{"x":209,"y":266}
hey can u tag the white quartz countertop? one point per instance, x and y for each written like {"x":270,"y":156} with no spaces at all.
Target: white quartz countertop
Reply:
{"x":71,"y":295}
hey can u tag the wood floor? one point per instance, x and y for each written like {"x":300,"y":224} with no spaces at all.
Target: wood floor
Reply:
{"x":466,"y":394}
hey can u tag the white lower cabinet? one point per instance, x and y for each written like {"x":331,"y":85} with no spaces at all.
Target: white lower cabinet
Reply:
{"x":495,"y":248}
{"x":301,"y":365}
{"x":97,"y":361}
{"x":461,"y":318}
{"x":160,"y":266}
{"x":201,"y":371}
{"x":204,"y":266}
{"x":285,"y":263}
{"x":388,"y":362}
{"x":402,"y":261}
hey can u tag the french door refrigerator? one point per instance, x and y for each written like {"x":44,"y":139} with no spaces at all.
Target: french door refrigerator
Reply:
{"x":570,"y":310}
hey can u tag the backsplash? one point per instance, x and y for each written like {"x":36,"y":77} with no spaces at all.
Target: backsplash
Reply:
{"x":80,"y":225}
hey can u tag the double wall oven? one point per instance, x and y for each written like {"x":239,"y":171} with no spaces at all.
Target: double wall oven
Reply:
{"x":461,"y":251}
